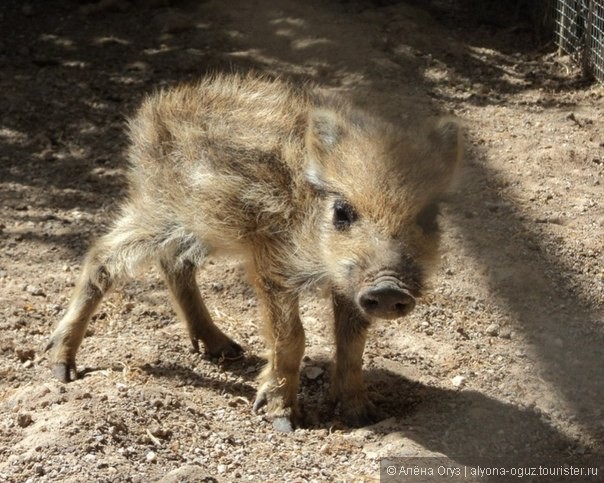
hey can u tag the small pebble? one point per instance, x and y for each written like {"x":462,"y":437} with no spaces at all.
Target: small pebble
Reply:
{"x":313,"y":372}
{"x":492,"y":330}
{"x":24,"y":420}
{"x":458,"y":381}
{"x":217,"y":286}
{"x":151,"y":457}
{"x":36,"y":291}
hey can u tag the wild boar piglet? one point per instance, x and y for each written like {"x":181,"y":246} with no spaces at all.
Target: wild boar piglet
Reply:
{"x":306,"y":189}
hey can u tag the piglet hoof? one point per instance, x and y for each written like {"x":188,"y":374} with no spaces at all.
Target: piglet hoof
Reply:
{"x":260,"y":401}
{"x":194,"y":346}
{"x":230,"y":352}
{"x":65,"y":371}
{"x":283,"y":424}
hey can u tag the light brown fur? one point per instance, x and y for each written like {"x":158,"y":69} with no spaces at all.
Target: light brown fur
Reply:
{"x":304,"y":187}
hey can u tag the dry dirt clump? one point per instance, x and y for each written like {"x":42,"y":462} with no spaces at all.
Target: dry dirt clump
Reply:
{"x":503,"y":357}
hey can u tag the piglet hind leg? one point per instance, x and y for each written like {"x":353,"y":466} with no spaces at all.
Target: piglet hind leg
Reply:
{"x":187,"y":301}
{"x":110,"y":259}
{"x":64,"y":342}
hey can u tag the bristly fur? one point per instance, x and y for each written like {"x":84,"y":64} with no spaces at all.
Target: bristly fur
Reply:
{"x":298,"y":182}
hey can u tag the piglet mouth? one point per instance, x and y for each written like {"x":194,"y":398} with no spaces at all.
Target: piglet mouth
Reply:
{"x":387,"y":298}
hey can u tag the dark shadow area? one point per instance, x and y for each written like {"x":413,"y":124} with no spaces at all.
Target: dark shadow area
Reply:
{"x":509,"y":27}
{"x":471,"y":428}
{"x":247,"y":368}
{"x":188,"y":376}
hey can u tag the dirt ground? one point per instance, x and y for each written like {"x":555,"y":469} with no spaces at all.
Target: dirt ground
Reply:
{"x":504,"y":356}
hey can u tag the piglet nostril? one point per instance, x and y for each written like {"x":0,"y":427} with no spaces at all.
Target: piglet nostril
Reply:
{"x":403,"y":307}
{"x":368,"y":303}
{"x":399,"y":306}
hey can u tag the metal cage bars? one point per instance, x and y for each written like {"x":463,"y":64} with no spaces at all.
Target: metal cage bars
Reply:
{"x":580,"y":33}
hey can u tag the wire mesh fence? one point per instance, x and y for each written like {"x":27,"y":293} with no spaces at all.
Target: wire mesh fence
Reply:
{"x":580,"y":33}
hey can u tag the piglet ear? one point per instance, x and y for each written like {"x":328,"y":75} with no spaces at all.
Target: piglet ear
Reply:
{"x":323,"y":135}
{"x":325,"y":130}
{"x":446,"y":138}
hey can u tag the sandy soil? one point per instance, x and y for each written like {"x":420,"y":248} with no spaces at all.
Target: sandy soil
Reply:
{"x":504,"y":357}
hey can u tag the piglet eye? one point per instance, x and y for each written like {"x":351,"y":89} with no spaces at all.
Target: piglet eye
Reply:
{"x":427,"y":218}
{"x":343,"y":215}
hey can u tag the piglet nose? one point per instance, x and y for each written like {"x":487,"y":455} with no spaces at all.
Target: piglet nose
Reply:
{"x":386,"y":301}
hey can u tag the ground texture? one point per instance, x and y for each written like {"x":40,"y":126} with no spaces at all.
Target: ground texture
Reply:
{"x":504,"y":356}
